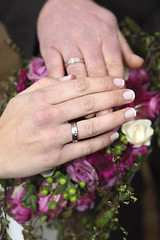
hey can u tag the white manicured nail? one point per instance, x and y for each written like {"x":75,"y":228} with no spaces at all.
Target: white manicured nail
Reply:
{"x":65,"y":78}
{"x":114,"y":136}
{"x":118,"y":82}
{"x":100,"y":113}
{"x":129,"y":95}
{"x":131,"y":113}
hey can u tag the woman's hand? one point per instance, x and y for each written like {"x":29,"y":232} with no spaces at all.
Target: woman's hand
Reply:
{"x":81,"y":28}
{"x":34,"y":129}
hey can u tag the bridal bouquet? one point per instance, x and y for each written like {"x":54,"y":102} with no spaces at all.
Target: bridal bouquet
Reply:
{"x":81,"y":198}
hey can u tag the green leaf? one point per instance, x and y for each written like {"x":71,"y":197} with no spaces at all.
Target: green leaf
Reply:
{"x":33,"y":201}
{"x":43,"y":218}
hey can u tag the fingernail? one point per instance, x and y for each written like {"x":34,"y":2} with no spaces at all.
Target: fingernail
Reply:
{"x":139,"y":57}
{"x":114,"y":136}
{"x":90,"y":115}
{"x":118,"y":82}
{"x":131,"y":113}
{"x":126,"y":73}
{"x":129,"y":95}
{"x":100,"y":113}
{"x":65,"y":78}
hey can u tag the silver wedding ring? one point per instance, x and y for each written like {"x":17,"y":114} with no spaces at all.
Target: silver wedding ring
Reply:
{"x":74,"y":132}
{"x":74,"y":60}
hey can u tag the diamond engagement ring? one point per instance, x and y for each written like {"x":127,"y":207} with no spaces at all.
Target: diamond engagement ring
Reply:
{"x":74,"y":60}
{"x":74,"y":132}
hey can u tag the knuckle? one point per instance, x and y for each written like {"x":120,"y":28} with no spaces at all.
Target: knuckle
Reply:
{"x":91,"y":128}
{"x":87,"y":104}
{"x":112,"y":19}
{"x":80,"y":85}
{"x":42,"y":117}
{"x":113,"y":99}
{"x":87,"y":148}
{"x":117,"y":118}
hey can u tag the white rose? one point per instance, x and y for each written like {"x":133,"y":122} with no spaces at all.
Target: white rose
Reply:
{"x":138,"y":132}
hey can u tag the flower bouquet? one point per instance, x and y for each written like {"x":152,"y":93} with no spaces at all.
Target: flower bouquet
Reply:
{"x":81,"y":198}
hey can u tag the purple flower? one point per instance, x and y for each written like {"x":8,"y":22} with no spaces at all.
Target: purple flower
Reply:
{"x":149,"y":101}
{"x":139,"y":76}
{"x":22,"y":80}
{"x":44,"y":200}
{"x":81,"y":170}
{"x":86,"y":202}
{"x":20,"y":213}
{"x":104,"y":164}
{"x":37,"y":69}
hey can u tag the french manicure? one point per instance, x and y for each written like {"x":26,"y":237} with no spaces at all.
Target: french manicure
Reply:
{"x":65,"y":78}
{"x":114,"y":136}
{"x":100,"y":113}
{"x":129,"y":95}
{"x":131,"y":113}
{"x":119,"y":82}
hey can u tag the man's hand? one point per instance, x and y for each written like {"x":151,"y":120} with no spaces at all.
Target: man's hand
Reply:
{"x":81,"y":28}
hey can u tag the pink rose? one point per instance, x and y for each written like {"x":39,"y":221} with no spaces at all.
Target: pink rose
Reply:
{"x":22,"y":80}
{"x":44,"y":200}
{"x":81,"y":170}
{"x":86,"y":202}
{"x":37,"y":69}
{"x":20,"y":214}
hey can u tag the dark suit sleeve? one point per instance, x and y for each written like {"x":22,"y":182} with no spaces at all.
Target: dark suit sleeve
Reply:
{"x":20,"y":18}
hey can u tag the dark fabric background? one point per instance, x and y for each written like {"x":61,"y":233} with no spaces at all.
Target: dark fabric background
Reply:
{"x":20,"y":17}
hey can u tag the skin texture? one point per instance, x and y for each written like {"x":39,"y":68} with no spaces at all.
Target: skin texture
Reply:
{"x":81,"y":28}
{"x":34,"y":129}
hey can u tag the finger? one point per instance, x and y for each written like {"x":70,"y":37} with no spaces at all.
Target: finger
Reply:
{"x":53,"y":61}
{"x":94,"y":60}
{"x":99,"y":125}
{"x":77,"y":69}
{"x":46,"y":82}
{"x":93,"y":103}
{"x":81,"y":87}
{"x":112,"y":55}
{"x":75,"y":150}
{"x":131,"y":60}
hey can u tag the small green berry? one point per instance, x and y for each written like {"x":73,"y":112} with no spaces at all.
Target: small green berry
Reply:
{"x":52,"y":206}
{"x":108,"y":151}
{"x":73,"y":198}
{"x":44,"y":191}
{"x":57,"y":173}
{"x":62,"y":181}
{"x":118,"y":150}
{"x":72,"y":191}
{"x":65,"y":195}
{"x":49,"y":180}
{"x":82,"y":184}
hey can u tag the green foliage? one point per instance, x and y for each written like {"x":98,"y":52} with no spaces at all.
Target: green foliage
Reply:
{"x":30,"y":197}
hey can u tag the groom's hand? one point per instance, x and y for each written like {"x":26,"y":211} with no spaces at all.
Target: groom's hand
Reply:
{"x":81,"y":28}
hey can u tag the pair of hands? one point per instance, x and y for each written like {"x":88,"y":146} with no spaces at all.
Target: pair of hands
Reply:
{"x":34,"y":129}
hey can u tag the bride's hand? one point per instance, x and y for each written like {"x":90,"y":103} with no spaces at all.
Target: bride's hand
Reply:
{"x":81,"y":28}
{"x":34,"y":130}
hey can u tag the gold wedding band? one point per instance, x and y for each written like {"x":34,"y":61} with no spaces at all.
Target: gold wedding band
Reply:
{"x":74,"y":60}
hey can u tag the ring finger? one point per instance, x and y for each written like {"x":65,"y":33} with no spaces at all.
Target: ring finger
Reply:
{"x":77,"y":68}
{"x":98,"y":125}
